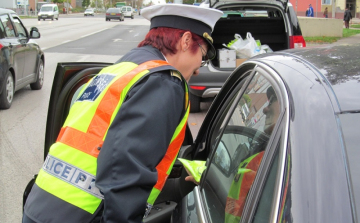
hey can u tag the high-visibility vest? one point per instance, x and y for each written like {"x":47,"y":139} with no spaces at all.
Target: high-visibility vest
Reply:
{"x":240,"y":187}
{"x":69,"y":171}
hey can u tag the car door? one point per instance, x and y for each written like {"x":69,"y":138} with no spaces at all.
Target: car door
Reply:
{"x":243,"y":143}
{"x":16,"y":50}
{"x":31,"y":51}
{"x":68,"y":79}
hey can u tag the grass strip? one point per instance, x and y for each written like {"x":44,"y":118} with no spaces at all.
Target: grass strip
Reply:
{"x":327,"y":39}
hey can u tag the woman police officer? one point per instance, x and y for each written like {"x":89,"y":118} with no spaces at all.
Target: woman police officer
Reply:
{"x":122,"y":134}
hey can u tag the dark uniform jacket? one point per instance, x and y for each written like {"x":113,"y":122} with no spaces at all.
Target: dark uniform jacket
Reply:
{"x":135,"y":143}
{"x":138,"y":139}
{"x":347,"y":15}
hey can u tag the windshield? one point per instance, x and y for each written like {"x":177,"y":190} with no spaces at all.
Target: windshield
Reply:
{"x":46,"y":9}
{"x":88,"y":10}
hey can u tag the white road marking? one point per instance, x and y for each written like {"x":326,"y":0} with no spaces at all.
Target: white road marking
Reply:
{"x":93,"y":33}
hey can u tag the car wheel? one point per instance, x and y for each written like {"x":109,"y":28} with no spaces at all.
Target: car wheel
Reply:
{"x":7,"y":96}
{"x":57,"y":18}
{"x":132,"y":17}
{"x":38,"y":19}
{"x":37,"y":85}
{"x":44,"y":19}
{"x":52,"y":18}
{"x":194,"y":103}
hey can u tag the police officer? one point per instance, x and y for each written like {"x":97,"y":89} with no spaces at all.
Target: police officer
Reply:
{"x":122,"y":134}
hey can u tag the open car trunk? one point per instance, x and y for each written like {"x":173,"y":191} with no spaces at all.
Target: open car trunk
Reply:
{"x":264,"y":24}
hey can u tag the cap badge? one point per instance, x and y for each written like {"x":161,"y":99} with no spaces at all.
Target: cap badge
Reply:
{"x":207,"y":36}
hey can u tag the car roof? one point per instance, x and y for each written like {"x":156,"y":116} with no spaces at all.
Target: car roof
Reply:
{"x":2,"y":10}
{"x":340,"y":66}
{"x":335,"y":66}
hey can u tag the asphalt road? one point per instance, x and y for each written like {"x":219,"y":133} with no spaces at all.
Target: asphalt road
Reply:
{"x":72,"y":38}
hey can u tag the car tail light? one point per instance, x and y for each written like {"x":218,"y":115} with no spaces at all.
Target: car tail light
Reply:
{"x":198,"y":87}
{"x":297,"y":42}
{"x":118,"y":14}
{"x":107,"y":13}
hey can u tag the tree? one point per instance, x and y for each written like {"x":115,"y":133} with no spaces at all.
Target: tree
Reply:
{"x":85,"y":3}
{"x":58,"y":1}
{"x":97,"y":4}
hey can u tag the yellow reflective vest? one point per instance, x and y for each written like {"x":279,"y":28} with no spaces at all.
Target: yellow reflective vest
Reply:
{"x":240,"y":187}
{"x":69,"y":171}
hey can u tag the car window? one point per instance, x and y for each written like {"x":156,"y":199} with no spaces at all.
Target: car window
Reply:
{"x":46,"y":9}
{"x":2,"y":30}
{"x":263,"y":208}
{"x":8,"y":26}
{"x":244,"y":131}
{"x":19,"y":27}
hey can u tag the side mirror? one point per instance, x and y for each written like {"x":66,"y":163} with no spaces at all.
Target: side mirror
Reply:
{"x":34,"y":33}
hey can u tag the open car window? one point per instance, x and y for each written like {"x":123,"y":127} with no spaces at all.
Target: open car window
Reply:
{"x":244,"y":132}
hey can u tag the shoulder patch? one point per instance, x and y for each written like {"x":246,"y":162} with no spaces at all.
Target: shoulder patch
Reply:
{"x":175,"y":73}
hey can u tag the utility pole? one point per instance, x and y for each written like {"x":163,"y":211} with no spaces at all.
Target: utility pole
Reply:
{"x":333,"y":9}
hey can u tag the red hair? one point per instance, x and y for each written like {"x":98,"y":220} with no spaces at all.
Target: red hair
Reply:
{"x":165,"y":39}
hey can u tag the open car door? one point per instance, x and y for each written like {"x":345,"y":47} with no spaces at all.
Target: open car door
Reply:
{"x":68,"y":79}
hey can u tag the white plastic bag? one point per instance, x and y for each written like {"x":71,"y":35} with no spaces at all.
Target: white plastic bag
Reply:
{"x":245,"y":48}
{"x":250,"y":48}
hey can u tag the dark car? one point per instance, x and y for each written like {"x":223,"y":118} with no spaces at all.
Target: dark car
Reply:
{"x":114,"y":13}
{"x":280,"y":141}
{"x":273,"y":23}
{"x":21,"y":59}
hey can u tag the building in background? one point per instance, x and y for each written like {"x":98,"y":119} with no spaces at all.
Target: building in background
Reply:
{"x":336,"y":8}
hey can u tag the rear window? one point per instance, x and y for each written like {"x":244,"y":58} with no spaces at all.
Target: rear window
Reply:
{"x":113,"y":10}
{"x":350,"y":125}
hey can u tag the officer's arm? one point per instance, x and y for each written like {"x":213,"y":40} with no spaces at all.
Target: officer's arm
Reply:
{"x":135,"y":143}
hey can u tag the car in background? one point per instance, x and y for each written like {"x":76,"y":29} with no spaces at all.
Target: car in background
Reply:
{"x":280,"y":141}
{"x":114,"y":13}
{"x":128,"y":11}
{"x":273,"y":23}
{"x":21,"y":58}
{"x":89,"y":12}
{"x":48,"y":11}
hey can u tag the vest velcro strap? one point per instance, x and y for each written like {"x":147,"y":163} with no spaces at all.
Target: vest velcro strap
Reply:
{"x":82,"y":141}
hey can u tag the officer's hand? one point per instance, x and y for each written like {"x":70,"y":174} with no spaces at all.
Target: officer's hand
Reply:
{"x":191,"y":179}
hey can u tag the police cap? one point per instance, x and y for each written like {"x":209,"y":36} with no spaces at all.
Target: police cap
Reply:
{"x":198,"y":20}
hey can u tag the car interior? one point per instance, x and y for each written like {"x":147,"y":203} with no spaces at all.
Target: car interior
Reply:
{"x":264,"y":24}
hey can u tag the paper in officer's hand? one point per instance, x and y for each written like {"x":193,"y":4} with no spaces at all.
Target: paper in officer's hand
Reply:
{"x":194,"y":168}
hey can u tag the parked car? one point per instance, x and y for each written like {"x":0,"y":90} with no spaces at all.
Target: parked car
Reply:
{"x":279,"y":29}
{"x":89,"y":12}
{"x":114,"y":13}
{"x":49,"y":11}
{"x":128,"y":11}
{"x":280,"y":141}
{"x":21,"y":58}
